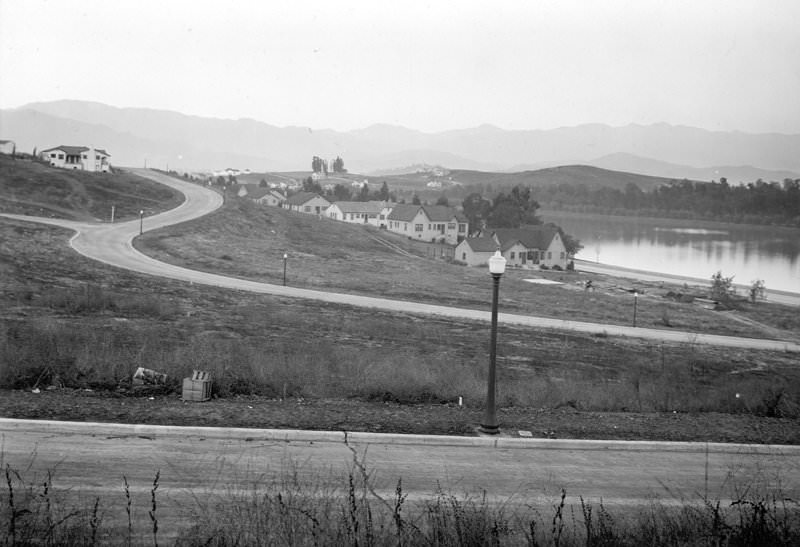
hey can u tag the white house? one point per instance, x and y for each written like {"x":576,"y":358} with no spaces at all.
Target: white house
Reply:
{"x":77,"y":157}
{"x":532,"y":247}
{"x":359,"y":212}
{"x":428,"y":223}
{"x":307,"y":202}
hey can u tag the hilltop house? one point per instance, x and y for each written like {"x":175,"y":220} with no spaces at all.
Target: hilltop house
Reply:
{"x":360,"y":212}
{"x":535,"y":246}
{"x":77,"y":157}
{"x":428,"y":223}
{"x":307,"y":202}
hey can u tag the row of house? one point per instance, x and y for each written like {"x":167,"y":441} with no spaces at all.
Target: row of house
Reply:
{"x":532,"y":247}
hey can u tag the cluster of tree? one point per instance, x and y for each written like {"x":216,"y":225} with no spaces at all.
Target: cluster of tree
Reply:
{"x":513,"y":210}
{"x":756,"y":202}
{"x":318,"y":165}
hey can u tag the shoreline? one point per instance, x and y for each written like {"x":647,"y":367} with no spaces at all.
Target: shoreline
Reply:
{"x":774,"y":296}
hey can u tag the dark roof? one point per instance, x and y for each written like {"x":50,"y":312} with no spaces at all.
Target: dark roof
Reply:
{"x":484,"y":244}
{"x":435,"y":213}
{"x":359,"y":206}
{"x":535,"y":237}
{"x":302,"y":197}
{"x":75,"y":150}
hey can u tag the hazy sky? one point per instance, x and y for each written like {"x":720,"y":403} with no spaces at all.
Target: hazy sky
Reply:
{"x":727,"y":64}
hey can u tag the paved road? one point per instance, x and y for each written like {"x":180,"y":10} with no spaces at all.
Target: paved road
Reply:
{"x":112,"y":244}
{"x":90,"y":459}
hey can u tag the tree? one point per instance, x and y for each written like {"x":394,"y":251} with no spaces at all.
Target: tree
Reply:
{"x":338,"y":165}
{"x":383,"y":193}
{"x":363,"y":194}
{"x":443,"y":201}
{"x":757,"y":290}
{"x":513,"y":210}
{"x":415,"y":200}
{"x":476,"y":209}
{"x":341,"y":192}
{"x":316,"y":164}
{"x":310,"y":185}
{"x":571,"y":243}
{"x":262,"y":183}
{"x":722,"y":288}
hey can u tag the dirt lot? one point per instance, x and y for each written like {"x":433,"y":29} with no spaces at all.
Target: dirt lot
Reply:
{"x":357,"y":415}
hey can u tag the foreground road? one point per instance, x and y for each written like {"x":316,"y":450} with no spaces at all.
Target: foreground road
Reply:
{"x":89,"y":459}
{"x":112,"y":244}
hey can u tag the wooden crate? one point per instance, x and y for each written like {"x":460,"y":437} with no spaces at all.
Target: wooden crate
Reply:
{"x":198,"y":387}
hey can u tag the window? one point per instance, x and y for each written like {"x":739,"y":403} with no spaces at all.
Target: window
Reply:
{"x":418,"y":227}
{"x":307,"y":208}
{"x":549,"y":255}
{"x":462,"y":228}
{"x":451,"y":226}
{"x":61,"y":156}
{"x":463,"y":256}
{"x":85,"y":156}
{"x":52,"y":154}
{"x":511,"y":256}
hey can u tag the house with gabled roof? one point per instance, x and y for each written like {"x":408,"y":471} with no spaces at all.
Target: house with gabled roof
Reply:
{"x":77,"y":157}
{"x":531,"y":247}
{"x":428,"y":223}
{"x":360,"y":212}
{"x":307,"y":202}
{"x":261,"y":195}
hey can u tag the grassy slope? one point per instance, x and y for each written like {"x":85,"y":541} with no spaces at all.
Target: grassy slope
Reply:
{"x":553,"y":384}
{"x":246,"y":240}
{"x":31,"y":187}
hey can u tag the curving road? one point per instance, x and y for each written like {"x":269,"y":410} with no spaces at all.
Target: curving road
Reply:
{"x":198,"y":465}
{"x":112,"y":244}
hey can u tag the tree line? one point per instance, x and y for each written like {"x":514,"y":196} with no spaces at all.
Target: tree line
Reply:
{"x":756,"y":202}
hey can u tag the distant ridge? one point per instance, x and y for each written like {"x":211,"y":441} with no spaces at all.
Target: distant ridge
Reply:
{"x":184,"y":142}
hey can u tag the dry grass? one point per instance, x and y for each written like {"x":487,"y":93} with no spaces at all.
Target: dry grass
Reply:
{"x":248,"y":241}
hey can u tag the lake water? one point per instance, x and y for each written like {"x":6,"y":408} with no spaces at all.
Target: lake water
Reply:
{"x":689,"y":248}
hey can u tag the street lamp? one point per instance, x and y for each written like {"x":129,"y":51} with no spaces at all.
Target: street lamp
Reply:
{"x":141,"y":220}
{"x":285,"y":257}
{"x":497,"y":265}
{"x":635,"y":305}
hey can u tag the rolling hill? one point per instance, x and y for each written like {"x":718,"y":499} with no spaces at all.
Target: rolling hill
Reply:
{"x":169,"y":139}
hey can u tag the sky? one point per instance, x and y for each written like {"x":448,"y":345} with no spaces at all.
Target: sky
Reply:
{"x":431,"y":66}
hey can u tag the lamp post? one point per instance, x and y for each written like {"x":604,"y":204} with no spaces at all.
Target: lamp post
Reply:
{"x":141,"y":221}
{"x":285,"y":257}
{"x":635,"y":305}
{"x":497,"y":266}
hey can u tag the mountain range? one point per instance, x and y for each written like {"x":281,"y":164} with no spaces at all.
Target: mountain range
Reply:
{"x":166,"y":139}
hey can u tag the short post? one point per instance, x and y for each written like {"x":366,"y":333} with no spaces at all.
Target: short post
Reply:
{"x":112,"y":214}
{"x":285,"y":257}
{"x":635,"y":305}
{"x":141,"y":221}
{"x":497,"y":266}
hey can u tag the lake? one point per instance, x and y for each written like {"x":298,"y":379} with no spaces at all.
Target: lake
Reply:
{"x":689,"y":248}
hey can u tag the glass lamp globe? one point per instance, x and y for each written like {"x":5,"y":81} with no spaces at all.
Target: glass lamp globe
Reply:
{"x":497,"y":264}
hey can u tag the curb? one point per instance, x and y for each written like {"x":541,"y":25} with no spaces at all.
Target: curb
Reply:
{"x":363,"y":438}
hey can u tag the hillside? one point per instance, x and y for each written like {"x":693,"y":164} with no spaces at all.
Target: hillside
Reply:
{"x":32,"y":187}
{"x":592,"y":177}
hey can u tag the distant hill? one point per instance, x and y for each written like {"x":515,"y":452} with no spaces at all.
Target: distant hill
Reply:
{"x":183,"y":142}
{"x":571,"y":174}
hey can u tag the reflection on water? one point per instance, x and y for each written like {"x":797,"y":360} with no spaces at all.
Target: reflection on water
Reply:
{"x":689,"y":248}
